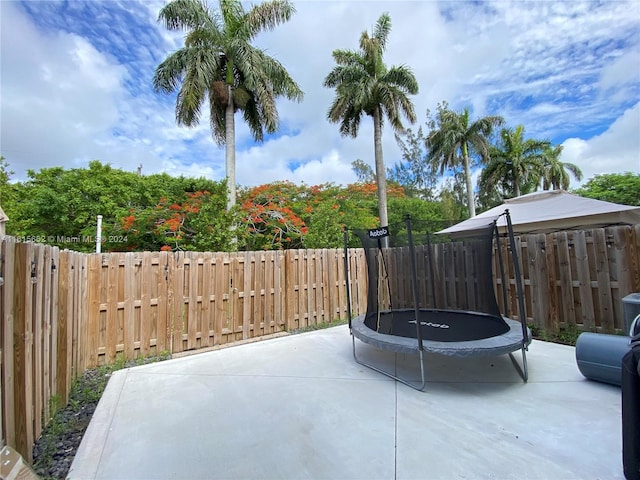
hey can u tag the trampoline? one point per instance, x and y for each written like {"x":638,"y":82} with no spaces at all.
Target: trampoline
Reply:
{"x":437,"y":296}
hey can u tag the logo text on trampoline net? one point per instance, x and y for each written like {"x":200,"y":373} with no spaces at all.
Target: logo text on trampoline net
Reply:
{"x":379,"y":232}
{"x":434,"y":325}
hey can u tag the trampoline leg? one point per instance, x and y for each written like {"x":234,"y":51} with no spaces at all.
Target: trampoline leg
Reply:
{"x":418,"y":387}
{"x":524,"y":373}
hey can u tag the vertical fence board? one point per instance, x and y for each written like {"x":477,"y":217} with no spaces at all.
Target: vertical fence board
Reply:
{"x":550,"y":282}
{"x":587,"y":310}
{"x":249,"y":260}
{"x":191,"y":293}
{"x":38,"y":336}
{"x":237,"y":312}
{"x":601,"y":248}
{"x":623,"y":252}
{"x":45,"y":361}
{"x":53,"y":306}
{"x":63,"y":344}
{"x":11,"y":283}
{"x":112,"y":308}
{"x":128,"y":327}
{"x":220,"y":292}
{"x":161,"y":281}
{"x":94,"y":267}
{"x":269,"y":294}
{"x":23,"y":340}
{"x":566,"y":280}
{"x":207,"y":318}
{"x":148,"y":320}
{"x":177,"y":314}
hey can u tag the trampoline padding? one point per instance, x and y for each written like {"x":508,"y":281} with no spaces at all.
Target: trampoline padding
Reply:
{"x":506,"y":342}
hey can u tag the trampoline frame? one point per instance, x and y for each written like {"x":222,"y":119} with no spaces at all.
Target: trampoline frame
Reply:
{"x":419,"y":346}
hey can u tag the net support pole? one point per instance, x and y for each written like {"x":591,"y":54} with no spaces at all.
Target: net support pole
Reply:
{"x":414,"y":280}
{"x":346,"y":273}
{"x":522,"y":312}
{"x":516,"y":270}
{"x":503,"y":280}
{"x":432,"y":276}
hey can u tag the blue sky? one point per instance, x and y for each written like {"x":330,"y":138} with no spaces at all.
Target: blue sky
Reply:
{"x":76,"y":85}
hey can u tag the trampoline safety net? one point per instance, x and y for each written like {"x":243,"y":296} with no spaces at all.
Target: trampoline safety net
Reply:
{"x":415,"y":276}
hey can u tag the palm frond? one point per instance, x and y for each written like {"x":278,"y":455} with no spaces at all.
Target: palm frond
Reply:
{"x":382,"y":29}
{"x":185,"y":15}
{"x":232,"y":13}
{"x":348,"y":57}
{"x":169,"y":73}
{"x":268,"y":15}
{"x":402,"y":77}
{"x":254,"y":119}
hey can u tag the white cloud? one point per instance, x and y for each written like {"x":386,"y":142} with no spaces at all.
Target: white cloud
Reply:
{"x":616,"y":150}
{"x":59,"y":95}
{"x":624,"y":69}
{"x":563,"y":69}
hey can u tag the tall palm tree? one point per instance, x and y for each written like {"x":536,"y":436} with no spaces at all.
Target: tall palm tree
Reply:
{"x":218,"y":64}
{"x":456,"y":138}
{"x":515,"y":165}
{"x":364,"y":85}
{"x":555,"y":173}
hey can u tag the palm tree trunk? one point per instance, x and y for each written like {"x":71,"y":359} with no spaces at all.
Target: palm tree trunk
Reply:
{"x":230,"y":150}
{"x":381,"y":176}
{"x":467,"y":177}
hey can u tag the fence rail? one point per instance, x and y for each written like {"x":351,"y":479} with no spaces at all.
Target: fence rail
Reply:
{"x":63,"y":312}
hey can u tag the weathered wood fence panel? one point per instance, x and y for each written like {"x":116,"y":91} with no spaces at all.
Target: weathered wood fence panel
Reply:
{"x":575,"y":278}
{"x":63,"y":312}
{"x":40,"y":305}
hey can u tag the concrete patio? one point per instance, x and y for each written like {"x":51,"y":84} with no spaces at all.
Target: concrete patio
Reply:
{"x":299,"y":407}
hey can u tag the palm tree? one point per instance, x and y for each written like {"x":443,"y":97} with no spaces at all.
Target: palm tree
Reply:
{"x":515,"y":165}
{"x":555,"y":174}
{"x":218,"y":63}
{"x":456,"y":139}
{"x":364,"y":85}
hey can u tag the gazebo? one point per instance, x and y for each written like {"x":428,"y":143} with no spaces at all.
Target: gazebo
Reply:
{"x":549,"y":211}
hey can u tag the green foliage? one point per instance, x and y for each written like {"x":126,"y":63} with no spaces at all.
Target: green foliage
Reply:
{"x":416,"y":174}
{"x":8,"y":191}
{"x":59,"y":207}
{"x":363,"y":171}
{"x":516,"y":165}
{"x":555,"y":174}
{"x":160,"y":212}
{"x":566,"y":335}
{"x":455,"y":141}
{"x":5,"y":173}
{"x":623,"y":188}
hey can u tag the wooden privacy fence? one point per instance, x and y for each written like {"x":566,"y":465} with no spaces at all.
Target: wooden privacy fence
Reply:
{"x":63,"y":312}
{"x":147,"y":303}
{"x":575,"y":278}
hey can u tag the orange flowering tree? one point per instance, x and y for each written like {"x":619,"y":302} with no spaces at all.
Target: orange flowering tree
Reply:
{"x":283,"y":215}
{"x":271,"y":216}
{"x":198,"y":221}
